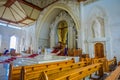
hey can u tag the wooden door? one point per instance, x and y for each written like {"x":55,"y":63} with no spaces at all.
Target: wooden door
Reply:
{"x":99,"y":50}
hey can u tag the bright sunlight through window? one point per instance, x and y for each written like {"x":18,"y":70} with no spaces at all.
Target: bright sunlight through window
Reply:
{"x":13,"y":42}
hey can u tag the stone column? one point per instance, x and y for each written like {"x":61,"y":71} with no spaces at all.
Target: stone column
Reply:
{"x":74,"y":39}
{"x":70,"y":39}
{"x":52,"y":38}
{"x":79,"y":39}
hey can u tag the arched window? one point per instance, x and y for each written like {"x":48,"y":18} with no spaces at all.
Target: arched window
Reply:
{"x":13,"y":42}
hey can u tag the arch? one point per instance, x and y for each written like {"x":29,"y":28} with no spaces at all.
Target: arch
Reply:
{"x":97,"y":14}
{"x":60,"y":6}
{"x":72,"y":32}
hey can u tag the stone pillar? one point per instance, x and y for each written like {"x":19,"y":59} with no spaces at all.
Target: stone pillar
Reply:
{"x":81,"y":31}
{"x":52,"y":38}
{"x":91,"y":49}
{"x":108,"y":50}
{"x":74,"y":39}
{"x":70,"y":37}
{"x":79,"y":39}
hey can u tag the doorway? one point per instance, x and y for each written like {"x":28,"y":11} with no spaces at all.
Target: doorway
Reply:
{"x":99,"y":50}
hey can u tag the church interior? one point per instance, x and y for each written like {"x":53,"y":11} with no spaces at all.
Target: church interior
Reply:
{"x":59,"y":39}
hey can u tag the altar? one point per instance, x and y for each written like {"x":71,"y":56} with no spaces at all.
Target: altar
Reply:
{"x":39,"y":59}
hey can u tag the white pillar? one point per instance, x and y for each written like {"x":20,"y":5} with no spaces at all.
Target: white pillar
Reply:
{"x":52,"y":38}
{"x":70,"y":37}
{"x":82,"y":29}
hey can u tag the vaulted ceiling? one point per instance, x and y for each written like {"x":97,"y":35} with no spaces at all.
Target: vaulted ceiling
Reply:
{"x":22,"y":12}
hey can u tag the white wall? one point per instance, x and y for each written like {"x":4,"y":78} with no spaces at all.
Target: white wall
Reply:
{"x":111,"y":9}
{"x":30,"y":37}
{"x":26,"y":33}
{"x":6,"y":33}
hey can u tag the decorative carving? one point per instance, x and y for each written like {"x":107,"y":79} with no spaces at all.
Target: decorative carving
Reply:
{"x":96,"y":29}
{"x":62,"y":31}
{"x":96,"y":21}
{"x":62,"y":16}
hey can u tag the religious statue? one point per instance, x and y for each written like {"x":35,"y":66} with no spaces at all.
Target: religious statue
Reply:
{"x":97,"y":29}
{"x":62,"y":31}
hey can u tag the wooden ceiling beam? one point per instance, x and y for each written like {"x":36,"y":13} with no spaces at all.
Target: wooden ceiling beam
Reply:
{"x":31,"y":18}
{"x":34,"y":6}
{"x":9,"y":21}
{"x":81,"y":0}
{"x":30,"y":4}
{"x":26,"y":18}
{"x":9,"y":3}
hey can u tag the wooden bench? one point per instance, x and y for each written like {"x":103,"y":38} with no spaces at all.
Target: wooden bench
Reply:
{"x":87,"y":60}
{"x":15,"y":73}
{"x":115,"y":75}
{"x":106,"y":63}
{"x":111,"y":64}
{"x":65,"y":68}
{"x":100,"y":60}
{"x":35,"y":71}
{"x":75,"y":74}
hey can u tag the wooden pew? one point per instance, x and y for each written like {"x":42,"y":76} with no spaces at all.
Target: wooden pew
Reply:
{"x":115,"y":75}
{"x":101,"y":60}
{"x":35,"y":71}
{"x":65,"y":68}
{"x":87,"y":60}
{"x":75,"y":74}
{"x":15,"y":73}
{"x":106,"y":63}
{"x":111,"y":64}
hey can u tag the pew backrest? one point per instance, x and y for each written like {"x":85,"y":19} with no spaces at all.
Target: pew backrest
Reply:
{"x":114,"y":75}
{"x":35,"y":71}
{"x":15,"y":72}
{"x":78,"y":73}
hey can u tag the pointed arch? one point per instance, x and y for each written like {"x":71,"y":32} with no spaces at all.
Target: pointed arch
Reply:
{"x":99,"y":16}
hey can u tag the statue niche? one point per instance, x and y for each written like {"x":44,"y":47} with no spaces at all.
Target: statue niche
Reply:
{"x":62,"y":31}
{"x":96,"y":29}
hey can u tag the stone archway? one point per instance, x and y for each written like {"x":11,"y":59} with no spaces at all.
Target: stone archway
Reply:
{"x":64,"y":17}
{"x":49,"y":14}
